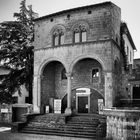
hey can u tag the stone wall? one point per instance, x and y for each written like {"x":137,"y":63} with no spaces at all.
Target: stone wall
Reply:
{"x":53,"y":86}
{"x":102,"y":22}
{"x":5,"y":113}
{"x":70,"y":54}
{"x":123,"y":124}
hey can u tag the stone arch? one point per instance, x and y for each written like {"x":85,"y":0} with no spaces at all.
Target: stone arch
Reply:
{"x":81,"y":23}
{"x":84,"y":57}
{"x":88,"y":86}
{"x":94,"y":96}
{"x":58,"y":35}
{"x":58,"y":27}
{"x":51,"y":82}
{"x":46,"y":61}
{"x":80,"y":31}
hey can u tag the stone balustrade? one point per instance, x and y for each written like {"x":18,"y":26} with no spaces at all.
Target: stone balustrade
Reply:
{"x":123,"y":124}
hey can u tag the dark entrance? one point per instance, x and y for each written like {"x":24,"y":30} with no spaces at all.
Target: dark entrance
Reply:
{"x":17,"y":113}
{"x":136,"y":96}
{"x":83,"y":104}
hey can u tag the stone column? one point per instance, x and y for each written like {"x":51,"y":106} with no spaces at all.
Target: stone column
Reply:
{"x":68,"y":109}
{"x":108,"y":90}
{"x":36,"y":94}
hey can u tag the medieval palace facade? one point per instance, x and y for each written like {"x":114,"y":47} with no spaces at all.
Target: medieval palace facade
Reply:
{"x":80,"y":58}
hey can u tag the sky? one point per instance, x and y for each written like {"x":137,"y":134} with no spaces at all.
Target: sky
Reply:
{"x":129,"y":11}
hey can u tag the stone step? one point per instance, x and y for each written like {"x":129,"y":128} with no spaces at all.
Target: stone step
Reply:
{"x":59,"y":132}
{"x":67,"y":127}
{"x":83,"y":119}
{"x":83,"y":122}
{"x":88,"y":127}
{"x":75,"y":126}
{"x":72,"y":125}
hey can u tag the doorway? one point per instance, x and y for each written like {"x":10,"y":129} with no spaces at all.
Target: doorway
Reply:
{"x":136,"y":96}
{"x":83,"y":100}
{"x":83,"y":104}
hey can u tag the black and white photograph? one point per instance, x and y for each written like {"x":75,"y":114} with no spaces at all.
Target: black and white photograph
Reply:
{"x":69,"y":70}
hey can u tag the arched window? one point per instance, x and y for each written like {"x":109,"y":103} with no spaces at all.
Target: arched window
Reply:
{"x":61,"y":38}
{"x":58,"y":37}
{"x":56,"y":40}
{"x":80,"y":34}
{"x":84,"y":36}
{"x":76,"y":37}
{"x":63,"y":74}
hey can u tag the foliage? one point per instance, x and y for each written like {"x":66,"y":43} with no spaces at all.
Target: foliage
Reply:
{"x":16,"y":51}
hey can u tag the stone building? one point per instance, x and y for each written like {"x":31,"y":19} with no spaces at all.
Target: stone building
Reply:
{"x":80,"y":58}
{"x":134,"y":83}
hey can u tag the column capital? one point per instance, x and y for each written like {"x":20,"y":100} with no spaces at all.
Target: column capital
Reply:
{"x":69,"y":74}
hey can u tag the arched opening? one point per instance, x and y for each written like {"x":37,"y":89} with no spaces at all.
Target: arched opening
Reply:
{"x":84,"y":100}
{"x":52,"y":84}
{"x":87,"y":73}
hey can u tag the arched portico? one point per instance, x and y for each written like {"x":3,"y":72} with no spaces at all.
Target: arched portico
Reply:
{"x":82,"y":71}
{"x":95,"y":75}
{"x":45,"y":62}
{"x":86,"y":72}
{"x":47,"y":83}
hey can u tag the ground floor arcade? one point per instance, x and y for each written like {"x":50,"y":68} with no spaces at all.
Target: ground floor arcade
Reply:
{"x":80,"y":87}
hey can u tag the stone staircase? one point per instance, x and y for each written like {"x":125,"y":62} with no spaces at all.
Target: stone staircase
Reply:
{"x":82,"y":126}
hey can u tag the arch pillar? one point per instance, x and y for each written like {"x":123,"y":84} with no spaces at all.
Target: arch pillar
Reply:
{"x":108,"y":89}
{"x":68,"y":109}
{"x":36,"y":94}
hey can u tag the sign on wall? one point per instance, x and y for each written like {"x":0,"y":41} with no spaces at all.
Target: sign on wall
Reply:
{"x":4,"y":110}
{"x":83,"y":91}
{"x":57,"y":105}
{"x":100,"y":106}
{"x":47,"y":109}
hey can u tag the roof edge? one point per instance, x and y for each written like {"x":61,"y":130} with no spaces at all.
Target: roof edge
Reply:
{"x":124,"y":25}
{"x":74,"y":9}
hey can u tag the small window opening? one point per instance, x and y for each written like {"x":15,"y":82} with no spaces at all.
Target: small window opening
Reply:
{"x":89,"y":12}
{"x":51,"y":20}
{"x":68,"y":16}
{"x":95,"y":75}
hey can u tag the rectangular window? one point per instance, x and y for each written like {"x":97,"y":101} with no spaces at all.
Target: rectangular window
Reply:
{"x":95,"y":75}
{"x":84,"y":36}
{"x":76,"y":37}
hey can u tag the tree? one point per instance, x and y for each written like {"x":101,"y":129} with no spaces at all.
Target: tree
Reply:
{"x":16,"y":38}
